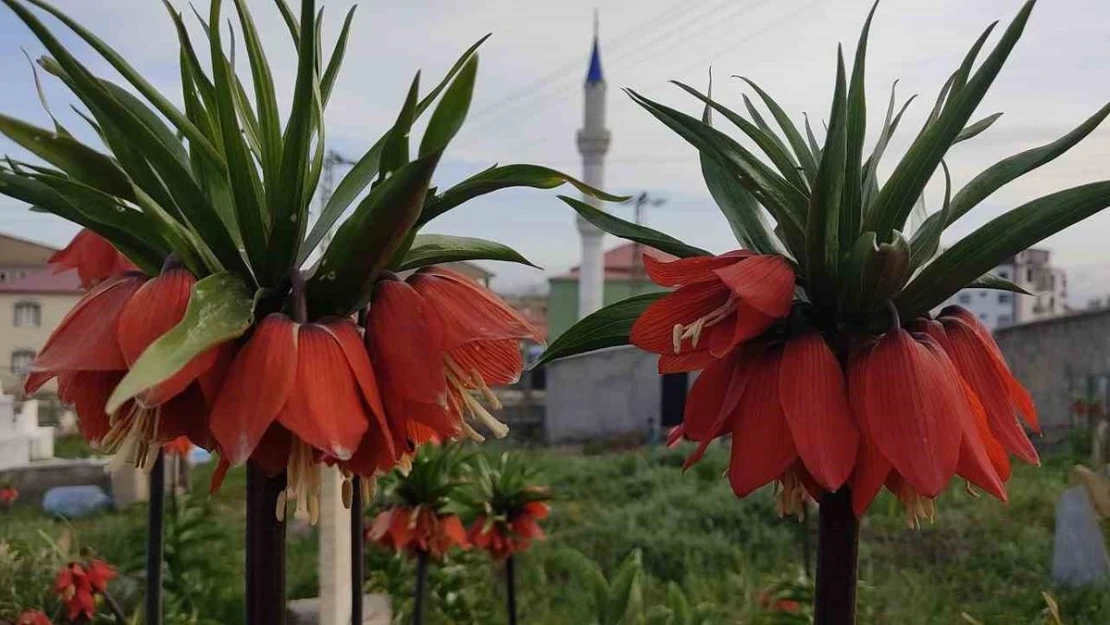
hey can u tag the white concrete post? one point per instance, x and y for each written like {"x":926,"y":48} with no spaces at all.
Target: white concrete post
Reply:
{"x":335,"y":552}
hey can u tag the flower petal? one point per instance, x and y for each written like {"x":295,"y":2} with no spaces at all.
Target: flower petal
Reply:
{"x":762,"y":447}
{"x":720,"y":406}
{"x":814,"y":399}
{"x":326,"y":408}
{"x":85,"y":340}
{"x":906,"y":406}
{"x":257,"y":385}
{"x":88,"y":392}
{"x":468,"y":311}
{"x":688,"y":270}
{"x":92,"y":256}
{"x":404,"y":341}
{"x":185,"y":415}
{"x":496,"y":362}
{"x":765,"y":282}
{"x":346,"y":334}
{"x":653,"y":331}
{"x":273,"y":449}
{"x":153,"y":310}
{"x":685,"y":362}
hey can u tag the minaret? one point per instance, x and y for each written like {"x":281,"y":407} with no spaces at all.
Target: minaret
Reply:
{"x":593,"y":143}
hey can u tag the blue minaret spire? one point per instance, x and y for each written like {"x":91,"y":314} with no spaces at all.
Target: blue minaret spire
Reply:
{"x":594,"y":74}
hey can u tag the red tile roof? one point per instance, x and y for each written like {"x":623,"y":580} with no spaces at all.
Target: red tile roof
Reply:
{"x":620,"y":261}
{"x":43,"y":280}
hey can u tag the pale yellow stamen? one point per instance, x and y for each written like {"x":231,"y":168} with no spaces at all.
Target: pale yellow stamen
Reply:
{"x":304,"y":483}
{"x":693,"y":331}
{"x":791,"y":495}
{"x":132,"y":437}
{"x":918,"y":508}
{"x":463,"y":387}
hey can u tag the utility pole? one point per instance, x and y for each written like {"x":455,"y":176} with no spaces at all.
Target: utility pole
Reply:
{"x":332,"y":160}
{"x":642,"y":201}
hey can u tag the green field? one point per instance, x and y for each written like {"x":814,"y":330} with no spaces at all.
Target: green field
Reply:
{"x":980,"y":557}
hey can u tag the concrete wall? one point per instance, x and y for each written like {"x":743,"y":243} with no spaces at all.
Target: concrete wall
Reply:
{"x":53,"y":308}
{"x":606,"y":393}
{"x":1054,"y":359}
{"x":35,"y":479}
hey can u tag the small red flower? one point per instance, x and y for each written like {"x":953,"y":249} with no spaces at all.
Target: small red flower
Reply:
{"x":32,"y":617}
{"x":504,"y":537}
{"x":76,"y":591}
{"x":93,"y":257}
{"x":418,"y":530}
{"x":8,"y":494}
{"x":721,"y":302}
{"x":99,"y":574}
{"x":179,"y":447}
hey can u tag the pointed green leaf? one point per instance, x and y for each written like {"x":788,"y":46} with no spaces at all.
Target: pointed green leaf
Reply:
{"x":335,"y":61}
{"x":633,"y":232}
{"x":826,"y":205}
{"x":433,"y":249}
{"x":991,"y":281}
{"x":71,"y":156}
{"x":871,"y":168}
{"x":805,"y":154}
{"x":1002,"y":237}
{"x":269,"y":120}
{"x":396,"y":149}
{"x":851,"y":206}
{"x":895,"y":200}
{"x":504,"y":177}
{"x":354,"y":183}
{"x":812,"y":139}
{"x":608,"y":327}
{"x":974,"y":129}
{"x":448,"y":116}
{"x":959,"y":78}
{"x":926,"y":241}
{"x":1013,"y":167}
{"x":220,"y":308}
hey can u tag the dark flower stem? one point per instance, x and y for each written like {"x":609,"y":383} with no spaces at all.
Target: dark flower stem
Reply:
{"x":265,"y":574}
{"x":510,"y":588}
{"x":154,"y":540}
{"x":357,"y":539}
{"x":837,"y":551}
{"x":116,"y":610}
{"x":421,"y":587}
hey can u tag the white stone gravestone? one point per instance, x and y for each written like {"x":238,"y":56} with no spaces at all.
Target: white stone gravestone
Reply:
{"x":39,"y":438}
{"x":1079,"y":555}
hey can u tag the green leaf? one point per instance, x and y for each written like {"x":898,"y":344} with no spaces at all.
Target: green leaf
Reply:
{"x":71,"y":156}
{"x":806,"y":156}
{"x":1013,"y":167}
{"x":871,"y":168}
{"x":433,"y":249}
{"x":876,"y":271}
{"x":451,"y":111}
{"x":826,"y":205}
{"x":269,"y":120}
{"x":974,"y":129}
{"x":785,"y":202}
{"x":743,"y":213}
{"x":991,"y":281}
{"x":396,"y":150}
{"x":959,"y":78}
{"x":335,"y":61}
{"x":288,"y":207}
{"x":783,"y":160}
{"x":625,"y":598}
{"x":1002,"y":237}
{"x":119,"y":63}
{"x":926,"y":240}
{"x":368,"y":240}
{"x":608,"y":327}
{"x":813,"y":145}
{"x":504,"y":177}
{"x":851,"y":206}
{"x":354,"y":183}
{"x":248,"y":199}
{"x":633,"y":232}
{"x":895,"y":200}
{"x":677,"y":603}
{"x":220,"y":309}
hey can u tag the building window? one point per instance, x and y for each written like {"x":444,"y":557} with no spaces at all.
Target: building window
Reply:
{"x":1052,"y":304}
{"x":1004,"y":275}
{"x":1004,"y":298}
{"x":21,"y":361}
{"x":1003,"y":320}
{"x":28,"y":315}
{"x":1029,"y":274}
{"x":965,"y":298}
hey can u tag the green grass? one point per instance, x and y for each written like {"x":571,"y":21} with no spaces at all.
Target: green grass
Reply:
{"x":980,"y":557}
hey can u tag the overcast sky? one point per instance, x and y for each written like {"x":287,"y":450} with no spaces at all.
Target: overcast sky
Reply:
{"x":529,"y":96}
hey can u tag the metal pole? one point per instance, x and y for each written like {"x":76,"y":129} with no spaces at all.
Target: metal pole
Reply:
{"x":265,"y":576}
{"x":155,"y":529}
{"x":837,"y":552}
{"x":510,"y":588}
{"x":357,"y":540}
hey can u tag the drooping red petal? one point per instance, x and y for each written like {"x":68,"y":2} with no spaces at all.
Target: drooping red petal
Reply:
{"x":685,"y":271}
{"x":92,"y":256}
{"x":186,"y":415}
{"x":404,"y":342}
{"x":716,"y":409}
{"x":85,"y":340}
{"x":346,"y":334}
{"x":762,"y":447}
{"x":154,"y":310}
{"x":814,"y":399}
{"x":871,"y":468}
{"x":653,"y":331}
{"x":496,"y":362}
{"x":88,"y":392}
{"x":257,"y":386}
{"x":748,"y":323}
{"x":906,"y":412}
{"x":705,"y":400}
{"x":453,"y":529}
{"x":468,"y":311}
{"x":999,"y":459}
{"x":765,"y":282}
{"x":213,"y":379}
{"x":685,"y":362}
{"x":326,"y":408}
{"x":272,"y":452}
{"x":975,"y":365}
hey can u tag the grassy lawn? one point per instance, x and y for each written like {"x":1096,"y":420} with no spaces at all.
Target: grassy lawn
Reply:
{"x":980,"y":557}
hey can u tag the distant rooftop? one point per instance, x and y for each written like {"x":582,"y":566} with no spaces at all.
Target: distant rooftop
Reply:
{"x":43,"y":280}
{"x":621,"y":261}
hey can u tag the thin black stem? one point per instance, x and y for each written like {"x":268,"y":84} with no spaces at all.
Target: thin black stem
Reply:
{"x":421,"y":584}
{"x":155,"y":530}
{"x":510,"y":588}
{"x":837,"y":555}
{"x":265,"y":576}
{"x":357,"y":539}
{"x":114,"y":607}
{"x":807,"y":556}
